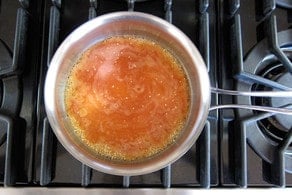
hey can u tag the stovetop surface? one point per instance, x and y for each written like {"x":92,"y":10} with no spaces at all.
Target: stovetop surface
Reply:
{"x":227,"y":33}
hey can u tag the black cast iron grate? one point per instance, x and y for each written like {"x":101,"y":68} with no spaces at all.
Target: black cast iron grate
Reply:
{"x":18,"y":91}
{"x":267,"y":48}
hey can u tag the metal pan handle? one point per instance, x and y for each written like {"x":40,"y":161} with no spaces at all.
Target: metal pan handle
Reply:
{"x":281,"y":110}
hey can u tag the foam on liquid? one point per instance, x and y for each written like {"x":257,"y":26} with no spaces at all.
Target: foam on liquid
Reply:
{"x":127,"y":97}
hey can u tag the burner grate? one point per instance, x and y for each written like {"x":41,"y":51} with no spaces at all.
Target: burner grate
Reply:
{"x":247,"y":64}
{"x":18,"y":83}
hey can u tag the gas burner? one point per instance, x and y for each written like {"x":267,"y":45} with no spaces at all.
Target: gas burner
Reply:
{"x":265,"y":132}
{"x":284,"y":3}
{"x":285,"y":121}
{"x":277,"y":126}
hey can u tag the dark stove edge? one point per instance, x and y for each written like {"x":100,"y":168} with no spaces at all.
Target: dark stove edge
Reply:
{"x":142,"y":191}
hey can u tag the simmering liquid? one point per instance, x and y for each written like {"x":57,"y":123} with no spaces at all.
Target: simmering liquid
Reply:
{"x":127,"y":97}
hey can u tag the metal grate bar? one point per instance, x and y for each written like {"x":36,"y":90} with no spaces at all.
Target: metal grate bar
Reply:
{"x":86,"y":175}
{"x":204,"y":4}
{"x":204,"y":38}
{"x":168,"y":10}
{"x":92,"y":9}
{"x":131,"y":5}
{"x":11,"y":95}
{"x":10,"y":169}
{"x":92,"y":13}
{"x":205,"y":158}
{"x":6,"y":55}
{"x":19,"y":44}
{"x":46,"y":154}
{"x":94,"y":3}
{"x":275,"y":173}
{"x":240,"y":154}
{"x":126,"y":181}
{"x":166,"y":176}
{"x":278,"y":167}
{"x":53,"y":32}
{"x":233,"y":6}
{"x":268,"y":6}
{"x":252,"y":78}
{"x":236,"y":45}
{"x":47,"y":137}
{"x":14,"y":152}
{"x":204,"y":139}
{"x":236,"y":49}
{"x":284,"y":3}
{"x":20,"y":39}
{"x":273,"y":42}
{"x":57,"y":3}
{"x":24,"y":3}
{"x":240,"y":143}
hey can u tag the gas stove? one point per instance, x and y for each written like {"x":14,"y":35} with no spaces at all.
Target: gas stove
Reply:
{"x":246,"y":45}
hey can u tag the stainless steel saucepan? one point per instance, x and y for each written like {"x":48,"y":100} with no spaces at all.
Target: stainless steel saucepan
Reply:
{"x":150,"y":27}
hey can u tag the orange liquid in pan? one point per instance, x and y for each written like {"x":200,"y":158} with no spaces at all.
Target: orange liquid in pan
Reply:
{"x":128,"y":98}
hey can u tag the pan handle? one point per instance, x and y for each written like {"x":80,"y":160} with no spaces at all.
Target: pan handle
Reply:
{"x":282,"y":94}
{"x":277,"y":110}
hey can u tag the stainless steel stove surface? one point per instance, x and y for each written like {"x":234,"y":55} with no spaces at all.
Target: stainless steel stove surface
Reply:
{"x":246,"y":45}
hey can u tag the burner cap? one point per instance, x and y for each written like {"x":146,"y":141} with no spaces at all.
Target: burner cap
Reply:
{"x":285,"y":120}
